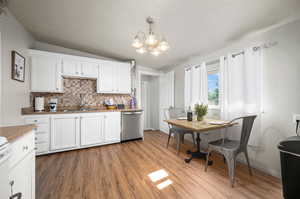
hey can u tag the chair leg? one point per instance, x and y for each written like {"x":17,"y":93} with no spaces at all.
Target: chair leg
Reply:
{"x":170,"y":134}
{"x":207,"y":160}
{"x":182,"y":138}
{"x":193,"y":136}
{"x":248,"y":162}
{"x":231,"y":169}
{"x":178,"y":142}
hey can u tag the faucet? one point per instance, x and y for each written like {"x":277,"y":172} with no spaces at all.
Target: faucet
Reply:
{"x":82,"y":103}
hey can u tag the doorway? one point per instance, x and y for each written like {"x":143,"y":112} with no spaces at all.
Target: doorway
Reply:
{"x":149,"y":85}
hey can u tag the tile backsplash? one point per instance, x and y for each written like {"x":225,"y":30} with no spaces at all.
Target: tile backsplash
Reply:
{"x":74,"y":88}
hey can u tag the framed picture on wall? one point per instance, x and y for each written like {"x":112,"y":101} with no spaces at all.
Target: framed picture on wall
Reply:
{"x":18,"y":67}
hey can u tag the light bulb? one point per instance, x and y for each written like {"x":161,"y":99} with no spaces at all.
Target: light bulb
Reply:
{"x":141,"y":50}
{"x":155,"y":52}
{"x":137,"y":43}
{"x":163,"y":45}
{"x":151,"y":40}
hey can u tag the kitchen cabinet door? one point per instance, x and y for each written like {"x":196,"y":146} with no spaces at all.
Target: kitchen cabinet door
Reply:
{"x":124,"y":78}
{"x":71,"y":68}
{"x":64,"y":132}
{"x":89,"y":70}
{"x":112,"y":130}
{"x":22,"y":177}
{"x":46,"y":74}
{"x":92,"y":129}
{"x":107,"y":78}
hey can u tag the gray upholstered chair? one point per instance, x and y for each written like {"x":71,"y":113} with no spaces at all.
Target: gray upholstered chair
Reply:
{"x":230,"y":149}
{"x":179,"y":133}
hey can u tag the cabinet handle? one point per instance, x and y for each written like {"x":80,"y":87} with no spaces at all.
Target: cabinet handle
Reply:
{"x":25,"y":148}
{"x":35,"y":120}
{"x":57,"y":89}
{"x":35,"y":148}
{"x":35,"y":129}
{"x":76,"y":72}
{"x":35,"y":138}
{"x":16,"y":196}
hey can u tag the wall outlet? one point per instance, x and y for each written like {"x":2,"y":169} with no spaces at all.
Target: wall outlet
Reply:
{"x":296,"y":117}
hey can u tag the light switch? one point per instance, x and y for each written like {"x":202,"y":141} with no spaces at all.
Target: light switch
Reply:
{"x":296,"y":117}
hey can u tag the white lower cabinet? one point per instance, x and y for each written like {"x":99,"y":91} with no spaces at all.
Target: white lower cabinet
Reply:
{"x":22,"y":168}
{"x":42,"y":133}
{"x":64,"y":132}
{"x":92,"y":129}
{"x":103,"y":128}
{"x":112,"y":127}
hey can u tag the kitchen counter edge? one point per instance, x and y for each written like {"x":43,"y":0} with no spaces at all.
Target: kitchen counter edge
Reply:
{"x":26,"y":111}
{"x":12,"y":133}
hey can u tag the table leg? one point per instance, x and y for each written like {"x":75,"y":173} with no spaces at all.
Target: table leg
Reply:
{"x":198,"y":153}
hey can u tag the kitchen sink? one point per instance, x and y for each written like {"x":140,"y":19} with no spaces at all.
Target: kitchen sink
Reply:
{"x":80,"y":110}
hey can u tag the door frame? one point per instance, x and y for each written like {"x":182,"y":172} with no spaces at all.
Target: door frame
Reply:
{"x":0,"y":80}
{"x":139,"y":77}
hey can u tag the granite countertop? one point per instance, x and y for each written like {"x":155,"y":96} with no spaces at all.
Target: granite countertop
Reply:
{"x":30,"y":111}
{"x":14,"y":132}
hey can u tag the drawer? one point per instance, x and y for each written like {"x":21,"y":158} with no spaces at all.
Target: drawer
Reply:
{"x":21,"y":147}
{"x":42,"y":128}
{"x":41,"y":138}
{"x":37,"y":120}
{"x":42,"y":148}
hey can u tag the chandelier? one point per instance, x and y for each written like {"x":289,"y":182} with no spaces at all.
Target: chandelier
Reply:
{"x":152,"y":43}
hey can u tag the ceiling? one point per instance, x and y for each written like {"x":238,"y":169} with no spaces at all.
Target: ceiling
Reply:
{"x":107,"y":27}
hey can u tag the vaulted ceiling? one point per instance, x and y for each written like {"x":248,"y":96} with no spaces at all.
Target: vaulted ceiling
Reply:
{"x":107,"y":27}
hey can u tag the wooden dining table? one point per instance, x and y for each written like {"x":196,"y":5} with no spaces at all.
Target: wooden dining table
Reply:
{"x":199,"y":127}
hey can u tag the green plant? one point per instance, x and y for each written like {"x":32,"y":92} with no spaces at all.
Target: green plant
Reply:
{"x":200,"y":110}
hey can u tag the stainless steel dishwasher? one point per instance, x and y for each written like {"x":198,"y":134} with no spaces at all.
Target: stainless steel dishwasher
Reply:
{"x":132,"y":126}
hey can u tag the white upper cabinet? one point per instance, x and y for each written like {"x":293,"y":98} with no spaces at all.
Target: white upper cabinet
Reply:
{"x":114,"y":77}
{"x":71,"y":67}
{"x":45,"y":74}
{"x":89,"y":70}
{"x":78,"y":68}
{"x":48,"y":70}
{"x":124,"y":78}
{"x":106,"y":79}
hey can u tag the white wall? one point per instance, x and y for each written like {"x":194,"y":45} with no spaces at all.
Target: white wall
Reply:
{"x":14,"y":94}
{"x":281,"y":88}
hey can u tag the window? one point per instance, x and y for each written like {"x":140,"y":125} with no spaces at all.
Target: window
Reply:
{"x":193,"y":84}
{"x":213,"y":89}
{"x":213,"y":85}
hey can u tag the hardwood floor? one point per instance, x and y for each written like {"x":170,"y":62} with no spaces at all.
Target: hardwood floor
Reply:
{"x":121,"y":171}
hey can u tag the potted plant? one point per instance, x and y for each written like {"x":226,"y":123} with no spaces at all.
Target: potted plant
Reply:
{"x":201,"y":111}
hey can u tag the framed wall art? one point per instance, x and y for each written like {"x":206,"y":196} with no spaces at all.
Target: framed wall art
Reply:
{"x":18,"y":67}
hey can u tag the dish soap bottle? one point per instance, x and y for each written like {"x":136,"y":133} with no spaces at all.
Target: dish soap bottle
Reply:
{"x":189,"y":114}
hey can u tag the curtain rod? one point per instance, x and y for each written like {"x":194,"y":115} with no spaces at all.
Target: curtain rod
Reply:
{"x":255,"y":48}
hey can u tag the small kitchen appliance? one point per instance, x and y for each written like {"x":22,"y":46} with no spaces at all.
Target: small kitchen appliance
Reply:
{"x":39,"y":104}
{"x":53,"y":104}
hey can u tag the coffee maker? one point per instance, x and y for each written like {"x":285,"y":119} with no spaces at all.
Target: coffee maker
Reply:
{"x":53,"y":104}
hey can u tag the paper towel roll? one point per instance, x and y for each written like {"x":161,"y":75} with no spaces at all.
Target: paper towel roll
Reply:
{"x":39,"y":104}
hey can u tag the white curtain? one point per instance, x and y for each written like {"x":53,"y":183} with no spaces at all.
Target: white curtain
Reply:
{"x":196,"y":90}
{"x":187,"y":87}
{"x":203,"y":98}
{"x":241,"y":89}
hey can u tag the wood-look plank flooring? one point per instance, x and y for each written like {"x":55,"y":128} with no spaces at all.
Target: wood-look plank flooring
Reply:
{"x":121,"y":171}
